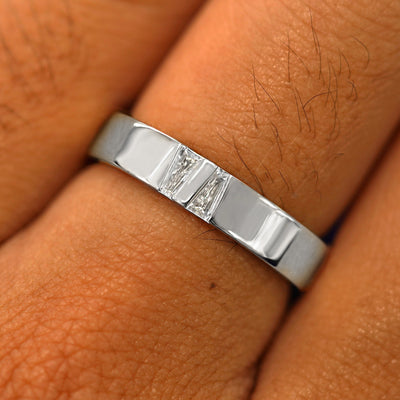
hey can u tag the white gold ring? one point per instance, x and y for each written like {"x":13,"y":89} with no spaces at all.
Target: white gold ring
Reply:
{"x":212,"y":194}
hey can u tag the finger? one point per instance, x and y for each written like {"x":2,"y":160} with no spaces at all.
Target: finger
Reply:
{"x":168,"y":308}
{"x":342,"y":340}
{"x":298,"y":104}
{"x":146,"y":303}
{"x":64,"y":67}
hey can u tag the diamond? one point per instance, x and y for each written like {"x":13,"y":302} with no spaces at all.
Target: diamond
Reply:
{"x":207,"y":198}
{"x":185,"y":162}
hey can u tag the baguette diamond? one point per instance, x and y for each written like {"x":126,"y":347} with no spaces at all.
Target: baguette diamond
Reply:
{"x":184,"y":164}
{"x":207,"y":198}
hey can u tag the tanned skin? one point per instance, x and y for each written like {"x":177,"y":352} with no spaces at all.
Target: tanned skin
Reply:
{"x":110,"y":291}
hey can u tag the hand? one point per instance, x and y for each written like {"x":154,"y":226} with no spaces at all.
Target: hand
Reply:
{"x":110,"y":291}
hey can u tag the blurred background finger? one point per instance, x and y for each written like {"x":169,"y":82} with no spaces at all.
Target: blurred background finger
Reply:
{"x":343,"y":338}
{"x":65,"y":66}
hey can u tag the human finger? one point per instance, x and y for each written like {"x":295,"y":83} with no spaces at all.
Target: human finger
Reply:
{"x":297,"y":103}
{"x":342,"y":339}
{"x":155,"y":266}
{"x":65,"y":66}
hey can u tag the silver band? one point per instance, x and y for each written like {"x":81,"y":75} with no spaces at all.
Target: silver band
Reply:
{"x":212,"y":194}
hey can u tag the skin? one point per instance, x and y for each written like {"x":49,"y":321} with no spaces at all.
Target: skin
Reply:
{"x":78,"y":63}
{"x":108,"y":290}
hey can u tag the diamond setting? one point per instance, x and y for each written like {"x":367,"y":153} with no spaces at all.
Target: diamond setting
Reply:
{"x":184,"y":164}
{"x":206,"y":200}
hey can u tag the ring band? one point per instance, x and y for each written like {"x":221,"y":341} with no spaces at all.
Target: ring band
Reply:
{"x":212,"y":194}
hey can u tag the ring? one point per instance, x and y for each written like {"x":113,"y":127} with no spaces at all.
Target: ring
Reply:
{"x":212,"y":194}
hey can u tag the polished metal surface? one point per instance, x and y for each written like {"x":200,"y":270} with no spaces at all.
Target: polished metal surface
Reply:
{"x":212,"y":194}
